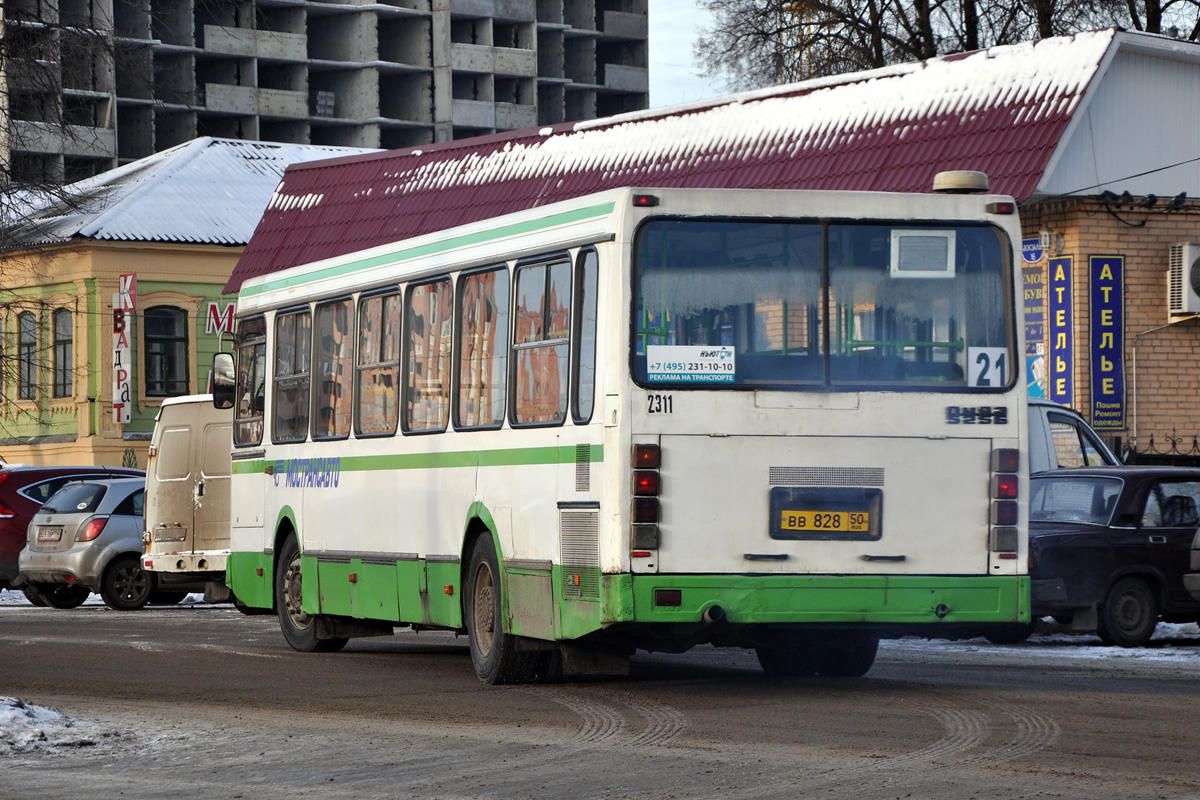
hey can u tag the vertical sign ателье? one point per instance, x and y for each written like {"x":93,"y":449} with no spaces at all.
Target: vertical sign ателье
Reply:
{"x":124,"y":305}
{"x":1107,"y":318}
{"x":1062,"y":385}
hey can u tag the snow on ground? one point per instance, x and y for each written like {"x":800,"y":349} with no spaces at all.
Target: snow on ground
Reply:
{"x":26,"y":728}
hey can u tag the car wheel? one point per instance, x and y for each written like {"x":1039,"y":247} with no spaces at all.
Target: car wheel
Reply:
{"x":299,"y":628}
{"x":1010,"y":634}
{"x":161,"y":598}
{"x":1128,"y":615}
{"x":493,"y":652}
{"x":126,"y":586}
{"x":34,"y":595}
{"x":65,"y":596}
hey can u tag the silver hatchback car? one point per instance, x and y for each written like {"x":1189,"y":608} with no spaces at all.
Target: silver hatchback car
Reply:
{"x":88,"y":538}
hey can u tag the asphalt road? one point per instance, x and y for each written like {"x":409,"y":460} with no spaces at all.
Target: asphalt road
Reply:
{"x":203,"y":702}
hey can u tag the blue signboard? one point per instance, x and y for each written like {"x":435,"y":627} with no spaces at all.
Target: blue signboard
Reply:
{"x":1107,"y":355}
{"x":1031,"y":251}
{"x":1062,"y":351}
{"x":1033,"y":280}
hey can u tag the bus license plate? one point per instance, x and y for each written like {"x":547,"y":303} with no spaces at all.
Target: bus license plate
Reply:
{"x":809,"y":521}
{"x":45,"y":534}
{"x":851,"y":513}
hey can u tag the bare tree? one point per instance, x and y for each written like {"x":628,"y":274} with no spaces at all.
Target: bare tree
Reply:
{"x":755,"y":43}
{"x":58,"y":63}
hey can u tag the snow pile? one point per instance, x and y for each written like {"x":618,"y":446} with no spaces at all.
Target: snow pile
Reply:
{"x":27,"y":728}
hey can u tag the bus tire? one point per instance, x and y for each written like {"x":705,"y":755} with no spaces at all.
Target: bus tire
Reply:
{"x":850,"y":655}
{"x":299,"y":629}
{"x":788,"y":656}
{"x":494,"y":652}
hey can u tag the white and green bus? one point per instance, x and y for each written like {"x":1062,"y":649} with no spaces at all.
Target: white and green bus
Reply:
{"x":642,"y":419}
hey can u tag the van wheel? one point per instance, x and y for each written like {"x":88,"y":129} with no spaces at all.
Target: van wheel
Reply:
{"x":126,"y":586}
{"x":1128,"y":615}
{"x":299,"y":628}
{"x":493,"y":652}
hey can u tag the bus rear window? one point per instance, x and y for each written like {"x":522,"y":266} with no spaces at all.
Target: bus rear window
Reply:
{"x":811,"y":306}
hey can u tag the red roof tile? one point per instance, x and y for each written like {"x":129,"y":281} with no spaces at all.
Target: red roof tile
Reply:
{"x":1002,"y":111}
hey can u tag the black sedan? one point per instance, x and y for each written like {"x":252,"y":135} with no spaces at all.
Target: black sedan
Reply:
{"x":1109,"y":547}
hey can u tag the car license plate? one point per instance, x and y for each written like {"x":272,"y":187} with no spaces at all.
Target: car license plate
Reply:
{"x":812,"y":521}
{"x":46,"y":534}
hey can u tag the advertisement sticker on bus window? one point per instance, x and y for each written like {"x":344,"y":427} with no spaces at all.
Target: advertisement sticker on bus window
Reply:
{"x":987,"y":367}
{"x":690,"y":364}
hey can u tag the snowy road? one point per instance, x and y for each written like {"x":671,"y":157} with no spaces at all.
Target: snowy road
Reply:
{"x":202,"y":702}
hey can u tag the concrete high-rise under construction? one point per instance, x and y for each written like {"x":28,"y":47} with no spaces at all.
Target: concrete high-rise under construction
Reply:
{"x":88,"y":85}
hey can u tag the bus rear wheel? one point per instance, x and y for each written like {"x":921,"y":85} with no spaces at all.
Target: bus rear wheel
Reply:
{"x":299,"y":628}
{"x":494,"y":653}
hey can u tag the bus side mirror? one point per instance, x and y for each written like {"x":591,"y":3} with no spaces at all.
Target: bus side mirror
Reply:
{"x":224,"y":381}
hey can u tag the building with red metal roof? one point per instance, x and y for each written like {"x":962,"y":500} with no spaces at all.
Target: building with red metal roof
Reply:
{"x":1075,"y":128}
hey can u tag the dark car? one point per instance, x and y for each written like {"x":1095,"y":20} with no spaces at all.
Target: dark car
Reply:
{"x":1191,"y":581}
{"x":23,"y":489}
{"x":1109,"y":547}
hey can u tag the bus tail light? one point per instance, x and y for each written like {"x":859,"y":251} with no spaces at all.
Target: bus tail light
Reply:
{"x":1005,"y":493}
{"x":645,"y":507}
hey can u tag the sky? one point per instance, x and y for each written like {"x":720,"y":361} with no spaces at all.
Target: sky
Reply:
{"x":674,"y":25}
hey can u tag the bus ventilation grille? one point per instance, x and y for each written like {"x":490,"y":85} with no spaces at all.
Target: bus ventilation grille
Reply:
{"x":580,"y":541}
{"x":827,"y":476}
{"x":583,"y":468}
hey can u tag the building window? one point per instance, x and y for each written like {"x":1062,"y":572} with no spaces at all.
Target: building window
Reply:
{"x":166,"y":351}
{"x":27,"y":360}
{"x":64,"y":354}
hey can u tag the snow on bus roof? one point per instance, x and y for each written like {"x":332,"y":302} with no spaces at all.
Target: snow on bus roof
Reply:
{"x":1002,"y":111}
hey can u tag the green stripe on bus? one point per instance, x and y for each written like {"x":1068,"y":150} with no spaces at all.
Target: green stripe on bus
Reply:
{"x":440,"y":246}
{"x":513,"y":457}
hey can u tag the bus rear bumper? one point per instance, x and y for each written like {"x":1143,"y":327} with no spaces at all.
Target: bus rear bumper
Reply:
{"x":925,"y":601}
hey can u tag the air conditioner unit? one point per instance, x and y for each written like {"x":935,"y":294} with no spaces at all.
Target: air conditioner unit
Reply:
{"x":1183,"y":279}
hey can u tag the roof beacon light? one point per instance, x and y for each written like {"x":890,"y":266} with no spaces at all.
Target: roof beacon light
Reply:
{"x":644,"y":200}
{"x":960,"y":181}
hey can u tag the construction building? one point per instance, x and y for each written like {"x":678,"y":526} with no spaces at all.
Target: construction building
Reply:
{"x":93,"y":84}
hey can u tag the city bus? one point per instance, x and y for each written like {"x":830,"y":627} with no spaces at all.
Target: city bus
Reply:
{"x":646,"y":418}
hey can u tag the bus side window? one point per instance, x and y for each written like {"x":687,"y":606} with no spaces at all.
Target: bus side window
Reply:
{"x":378,"y":365}
{"x":583,"y":375}
{"x":541,"y":344}
{"x":335,"y":358}
{"x":293,"y":342}
{"x":427,"y":359}
{"x":482,"y":349}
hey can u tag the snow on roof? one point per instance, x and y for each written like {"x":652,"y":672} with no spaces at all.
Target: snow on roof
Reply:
{"x":206,"y":191}
{"x":1003,"y":111}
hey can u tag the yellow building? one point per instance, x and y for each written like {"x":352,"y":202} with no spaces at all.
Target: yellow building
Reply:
{"x":84,"y":365}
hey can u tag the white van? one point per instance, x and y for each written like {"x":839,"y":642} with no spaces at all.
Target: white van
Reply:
{"x":186,"y":534}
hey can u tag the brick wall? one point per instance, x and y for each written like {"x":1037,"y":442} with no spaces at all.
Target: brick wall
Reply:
{"x":1161,"y":353}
